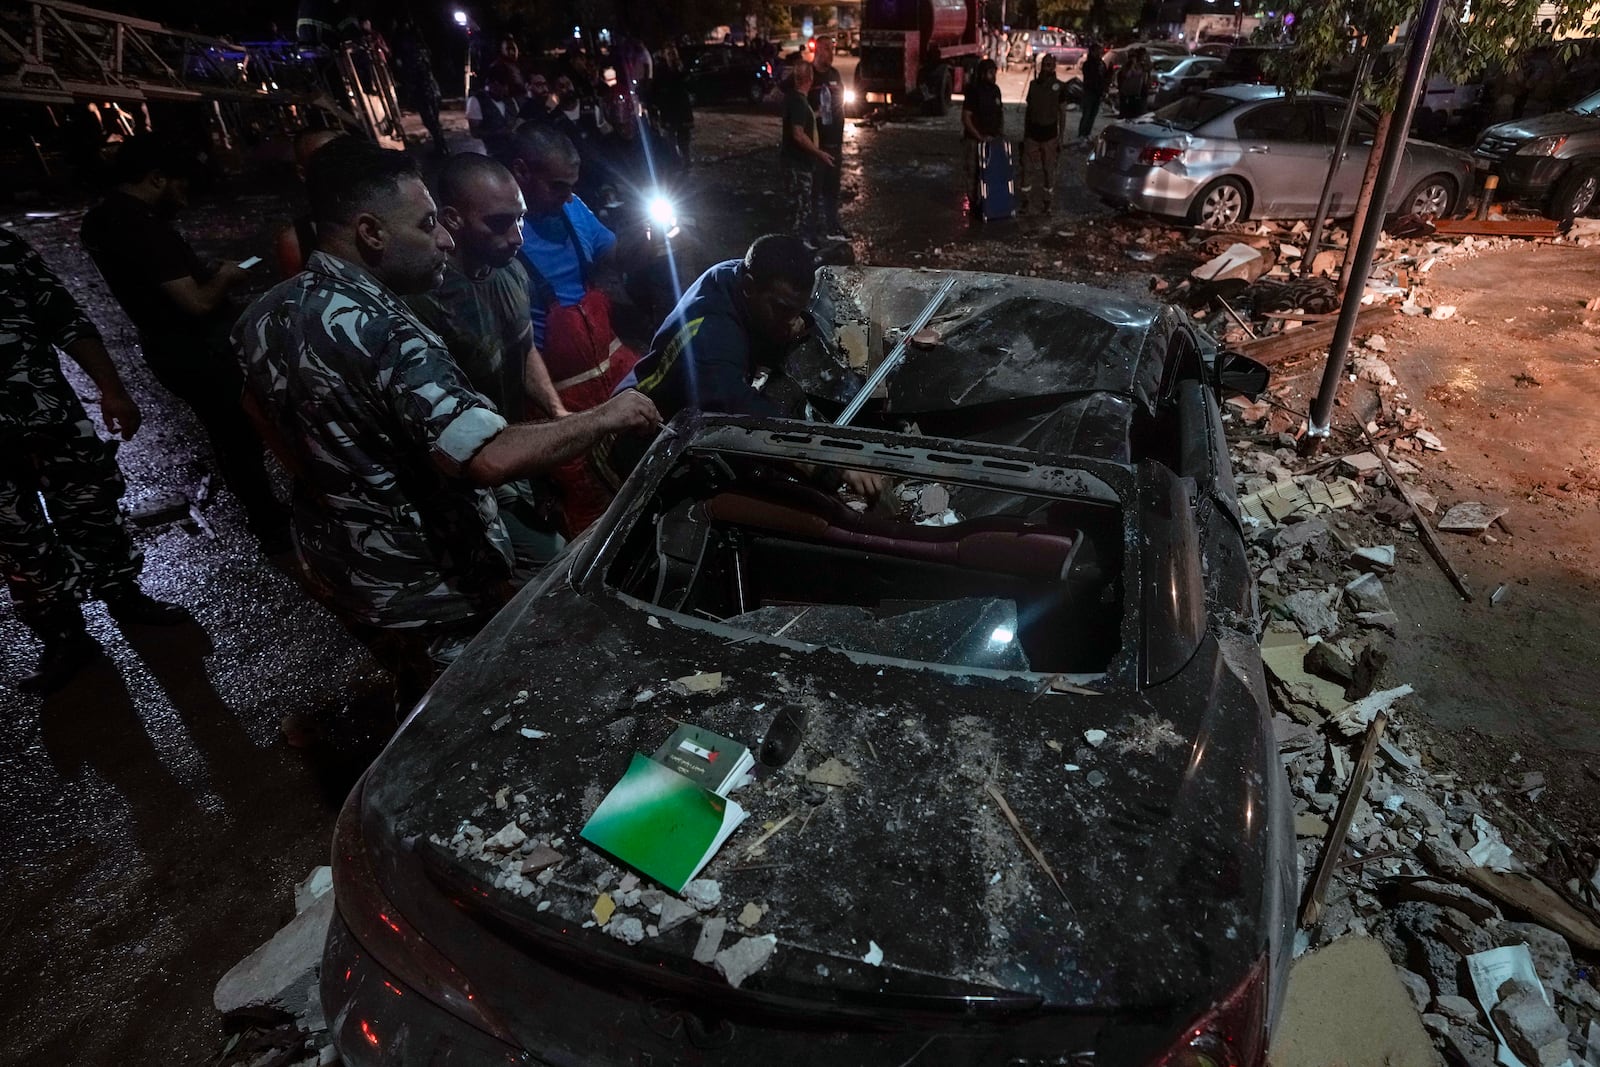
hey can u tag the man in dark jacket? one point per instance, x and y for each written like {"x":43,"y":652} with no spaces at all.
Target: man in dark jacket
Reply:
{"x":1094,"y":88}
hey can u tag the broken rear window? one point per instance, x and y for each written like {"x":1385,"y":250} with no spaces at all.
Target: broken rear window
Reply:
{"x":945,"y":571}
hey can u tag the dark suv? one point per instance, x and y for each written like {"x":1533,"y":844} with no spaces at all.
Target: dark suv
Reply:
{"x":1553,"y":159}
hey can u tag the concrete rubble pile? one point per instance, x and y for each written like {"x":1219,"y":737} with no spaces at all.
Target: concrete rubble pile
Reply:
{"x":271,"y":1001}
{"x":1436,"y":869}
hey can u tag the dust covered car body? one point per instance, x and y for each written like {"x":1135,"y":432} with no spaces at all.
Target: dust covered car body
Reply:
{"x":1054,"y":614}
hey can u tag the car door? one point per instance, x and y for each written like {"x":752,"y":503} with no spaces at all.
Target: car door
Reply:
{"x":1282,"y":156}
{"x":1353,"y":164}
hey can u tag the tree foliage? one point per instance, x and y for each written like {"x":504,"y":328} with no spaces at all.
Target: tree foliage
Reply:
{"x":1474,"y":36}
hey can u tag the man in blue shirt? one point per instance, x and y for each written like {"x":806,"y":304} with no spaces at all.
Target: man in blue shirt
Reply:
{"x":563,"y":248}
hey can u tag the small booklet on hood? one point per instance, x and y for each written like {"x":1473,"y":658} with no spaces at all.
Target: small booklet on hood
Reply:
{"x":661,"y":823}
{"x":707,"y":758}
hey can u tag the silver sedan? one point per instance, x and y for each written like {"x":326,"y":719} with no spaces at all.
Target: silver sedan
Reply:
{"x":1248,"y":151}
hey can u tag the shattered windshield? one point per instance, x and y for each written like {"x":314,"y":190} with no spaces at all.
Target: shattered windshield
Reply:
{"x":943,"y":572}
{"x":1194,"y":111}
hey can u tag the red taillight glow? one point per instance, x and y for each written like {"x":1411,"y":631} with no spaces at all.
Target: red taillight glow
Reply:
{"x":1156,"y":155}
{"x":366,"y":1032}
{"x":1232,"y":1034}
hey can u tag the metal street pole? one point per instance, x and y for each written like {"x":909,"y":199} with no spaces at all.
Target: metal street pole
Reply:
{"x":1427,"y":28}
{"x":1364,"y":65}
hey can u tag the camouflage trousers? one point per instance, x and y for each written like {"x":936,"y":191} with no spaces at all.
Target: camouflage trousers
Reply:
{"x":75,"y":546}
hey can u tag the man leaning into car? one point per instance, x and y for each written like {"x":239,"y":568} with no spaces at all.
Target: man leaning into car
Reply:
{"x":393,"y":452}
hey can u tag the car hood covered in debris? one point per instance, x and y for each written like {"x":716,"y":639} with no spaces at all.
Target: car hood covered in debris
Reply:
{"x":1150,"y":806}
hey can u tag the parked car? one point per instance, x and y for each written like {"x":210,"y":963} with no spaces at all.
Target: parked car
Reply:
{"x":1181,"y":75}
{"x":1552,"y":160}
{"x":1249,"y":64}
{"x":1446,"y":106}
{"x":724,"y":73}
{"x":1087,"y":572}
{"x":1064,"y":46}
{"x":1249,"y":151}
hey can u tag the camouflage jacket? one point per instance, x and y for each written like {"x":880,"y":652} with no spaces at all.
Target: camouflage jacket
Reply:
{"x":37,"y":316}
{"x":379,"y":421}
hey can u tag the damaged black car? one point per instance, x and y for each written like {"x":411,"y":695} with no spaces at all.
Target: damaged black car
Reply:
{"x":1014,"y":796}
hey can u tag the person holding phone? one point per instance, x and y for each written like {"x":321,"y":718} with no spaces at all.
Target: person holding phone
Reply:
{"x":182,"y":311}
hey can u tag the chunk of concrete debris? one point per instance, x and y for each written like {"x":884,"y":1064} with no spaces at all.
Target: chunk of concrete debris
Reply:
{"x":1355,"y":718}
{"x":1416,"y":986}
{"x":1529,"y":1025}
{"x":1284,"y":655}
{"x":604,"y":907}
{"x":750,"y":916}
{"x":1429,"y":440}
{"x":1366,"y":593}
{"x":1373,"y":369}
{"x":699,"y":682}
{"x":1373,"y":557}
{"x":1094,"y":738}
{"x":874,"y":956}
{"x":1237,"y":261}
{"x":1330,"y":660}
{"x":1442,"y":311}
{"x":831,"y":772}
{"x":1471,"y":516}
{"x":703,"y":893}
{"x":1361,"y":463}
{"x":1346,"y":1004}
{"x":1312,"y":611}
{"x":626,"y":929}
{"x":1552,"y":959}
{"x":541,"y":857}
{"x":674,"y":913}
{"x":275,"y":978}
{"x":1457,"y":1009}
{"x":745,"y":958}
{"x":1376,"y":343}
{"x":1313,"y":533}
{"x":705,"y":949}
{"x":509,"y":837}
{"x":318,"y":882}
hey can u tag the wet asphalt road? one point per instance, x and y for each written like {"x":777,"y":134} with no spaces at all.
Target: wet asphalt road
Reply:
{"x":153,"y":821}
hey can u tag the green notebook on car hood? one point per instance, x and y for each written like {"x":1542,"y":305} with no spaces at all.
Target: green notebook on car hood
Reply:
{"x":661,"y":823}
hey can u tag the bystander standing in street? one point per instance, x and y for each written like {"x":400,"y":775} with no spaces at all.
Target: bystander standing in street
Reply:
{"x":298,"y":240}
{"x":1133,"y":84}
{"x":827,"y":102}
{"x":76,"y":546}
{"x":417,"y":83}
{"x":1094,"y":89}
{"x":800,"y":154}
{"x":182,"y":311}
{"x":481,"y":313}
{"x":1041,"y":136}
{"x":983,"y":119}
{"x":393,"y":452}
{"x":670,"y":100}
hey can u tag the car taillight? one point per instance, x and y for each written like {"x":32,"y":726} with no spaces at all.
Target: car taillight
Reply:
{"x":1232,"y":1034}
{"x":396,"y":945}
{"x":1155,"y":155}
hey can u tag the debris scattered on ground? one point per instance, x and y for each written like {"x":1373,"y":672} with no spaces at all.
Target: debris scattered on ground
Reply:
{"x":874,"y":956}
{"x":699,"y":682}
{"x":831,"y":772}
{"x":1470,"y":517}
{"x":745,"y":958}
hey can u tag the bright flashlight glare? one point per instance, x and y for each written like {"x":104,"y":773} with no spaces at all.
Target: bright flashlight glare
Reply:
{"x":460,"y":17}
{"x":849,"y":96}
{"x":662,"y":213}
{"x":1003,"y":635}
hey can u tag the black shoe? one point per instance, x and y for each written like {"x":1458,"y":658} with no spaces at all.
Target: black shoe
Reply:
{"x":60,"y":662}
{"x":142,"y":609}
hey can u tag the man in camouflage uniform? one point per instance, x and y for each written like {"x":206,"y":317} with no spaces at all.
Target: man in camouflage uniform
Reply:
{"x":49,"y":447}
{"x":392,"y":450}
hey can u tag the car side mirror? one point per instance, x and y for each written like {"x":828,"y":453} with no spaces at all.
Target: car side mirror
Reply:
{"x":1242,"y":376}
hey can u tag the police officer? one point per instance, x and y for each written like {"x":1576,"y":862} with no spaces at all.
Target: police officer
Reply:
{"x":49,"y":448}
